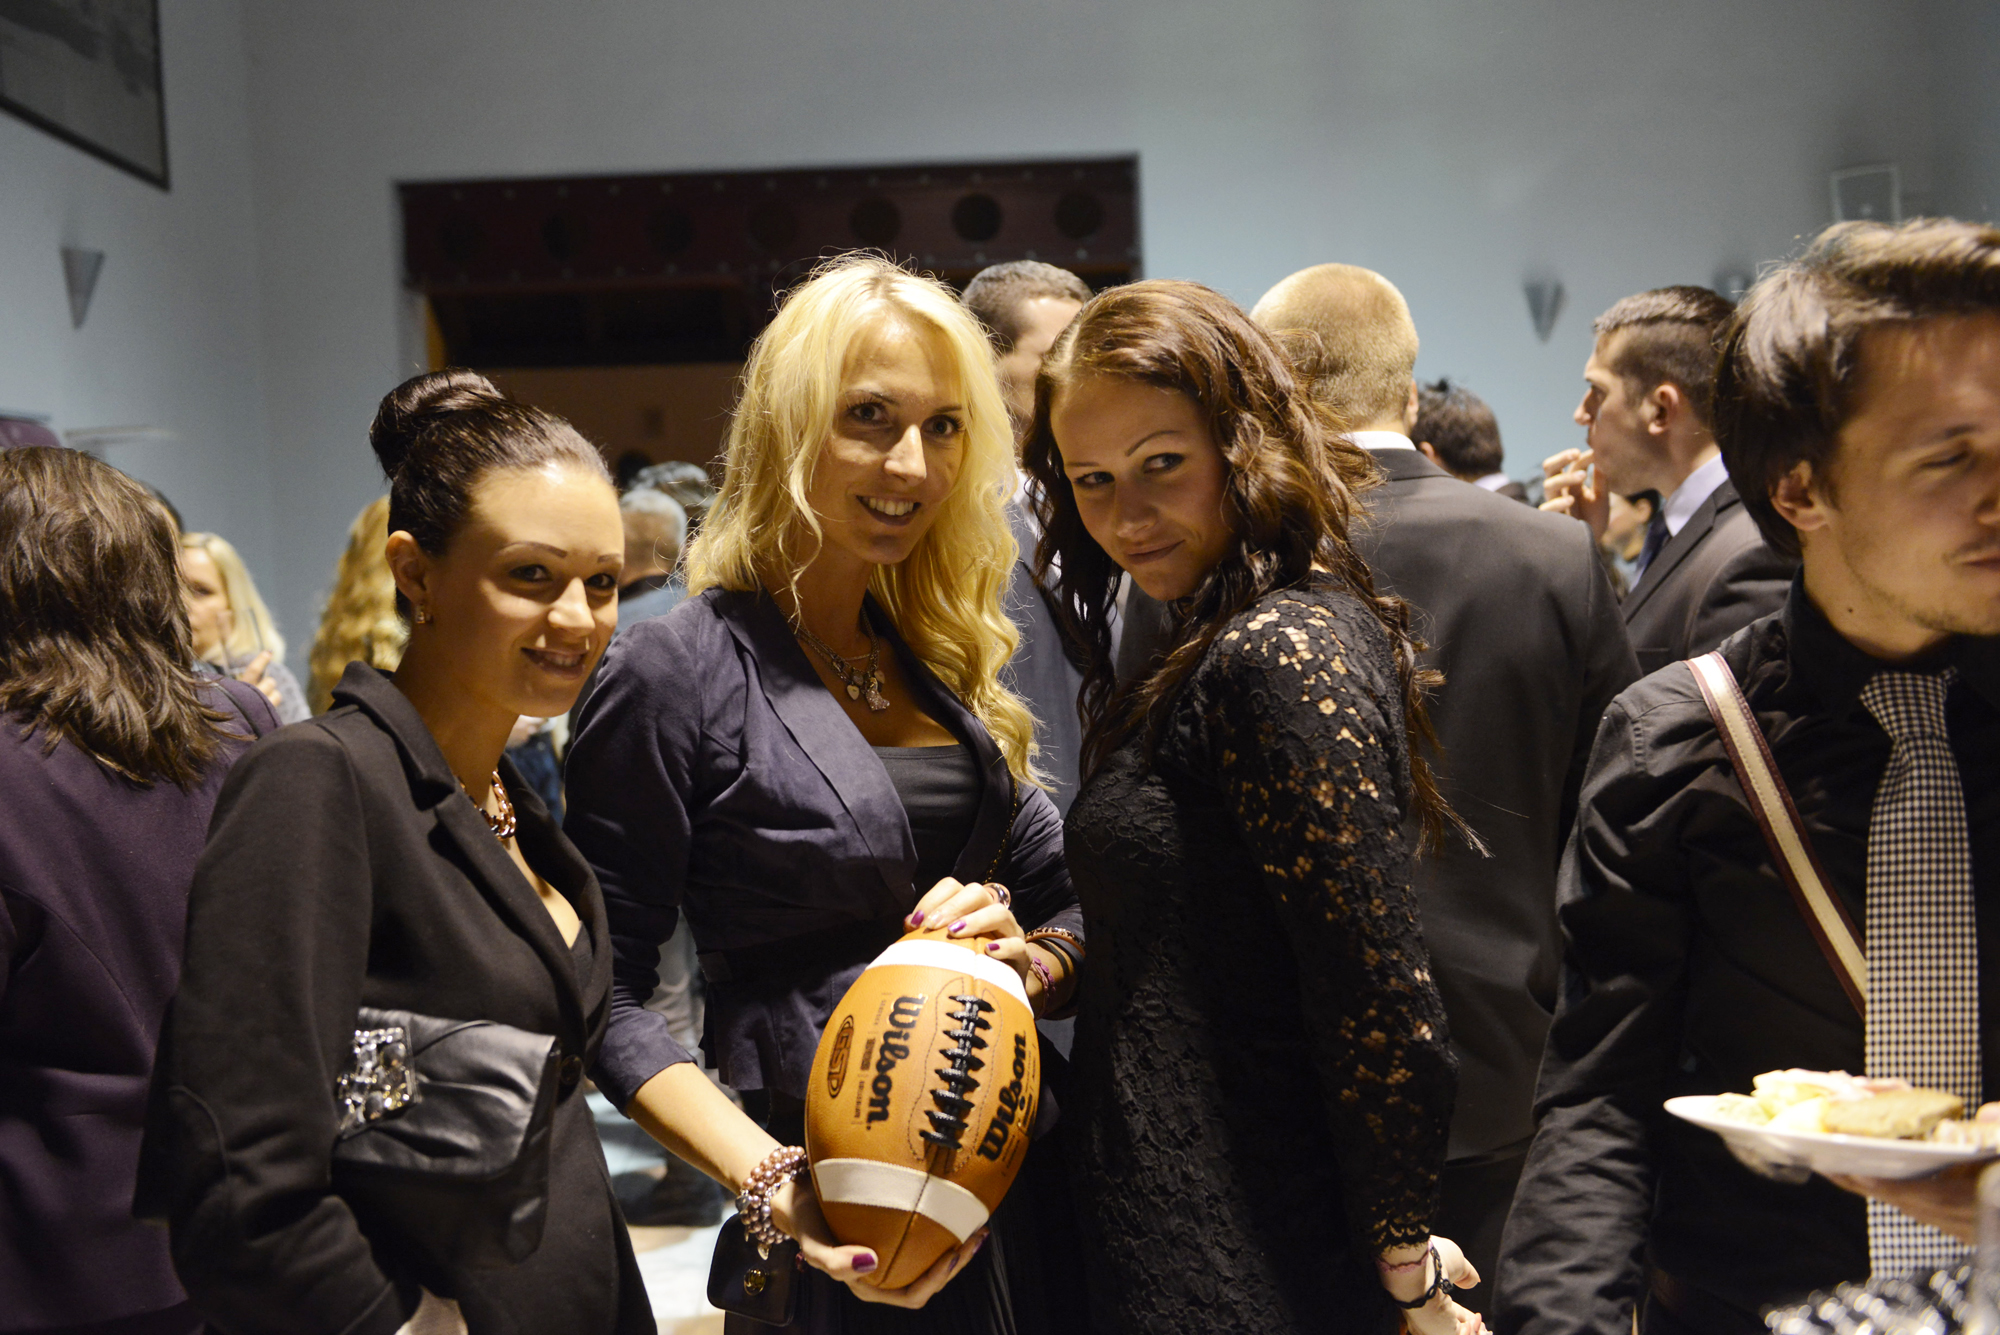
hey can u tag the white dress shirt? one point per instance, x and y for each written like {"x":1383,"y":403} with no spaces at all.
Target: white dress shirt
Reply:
{"x":1695,"y":488}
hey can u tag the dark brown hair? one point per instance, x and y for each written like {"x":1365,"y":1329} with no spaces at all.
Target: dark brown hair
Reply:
{"x":997,"y":293}
{"x":1289,"y":498}
{"x":438,"y":434}
{"x":1785,"y":382}
{"x":1671,"y":337}
{"x":94,"y":642}
{"x":1455,"y":422}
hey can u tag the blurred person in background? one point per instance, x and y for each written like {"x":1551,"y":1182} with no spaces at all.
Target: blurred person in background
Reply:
{"x":1625,"y":537}
{"x":1024,"y":306}
{"x":233,"y":630}
{"x":1457,"y":431}
{"x":686,"y":483}
{"x":650,"y":584}
{"x":111,"y":754}
{"x":360,"y":624}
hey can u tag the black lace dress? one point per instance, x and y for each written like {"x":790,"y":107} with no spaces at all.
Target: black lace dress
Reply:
{"x":1263,"y":1082}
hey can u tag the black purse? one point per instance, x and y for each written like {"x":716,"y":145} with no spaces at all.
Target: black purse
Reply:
{"x":443,"y":1147}
{"x":747,"y":1281}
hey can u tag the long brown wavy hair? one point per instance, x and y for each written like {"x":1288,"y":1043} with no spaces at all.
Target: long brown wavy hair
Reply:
{"x":1290,"y":498}
{"x":95,"y":648}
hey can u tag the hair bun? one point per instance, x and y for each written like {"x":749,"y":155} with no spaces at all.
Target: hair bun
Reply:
{"x":419,"y":403}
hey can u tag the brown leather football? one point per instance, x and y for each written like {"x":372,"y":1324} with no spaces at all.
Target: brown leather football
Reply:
{"x":922,"y":1097}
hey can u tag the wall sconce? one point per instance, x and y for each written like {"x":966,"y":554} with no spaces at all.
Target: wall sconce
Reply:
{"x":1732,"y":281}
{"x":1545,"y":303}
{"x":80,"y":270}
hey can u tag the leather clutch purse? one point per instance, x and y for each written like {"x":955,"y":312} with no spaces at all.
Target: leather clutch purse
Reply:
{"x":747,"y":1281}
{"x":445,"y":1128}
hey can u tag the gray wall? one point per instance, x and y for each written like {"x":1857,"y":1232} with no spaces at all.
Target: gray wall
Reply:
{"x":172,"y":336}
{"x":1965,"y":45}
{"x":1458,"y":147}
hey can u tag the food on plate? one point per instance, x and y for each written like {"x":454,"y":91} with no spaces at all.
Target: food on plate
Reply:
{"x":1851,"y":1105}
{"x":1894,"y":1114}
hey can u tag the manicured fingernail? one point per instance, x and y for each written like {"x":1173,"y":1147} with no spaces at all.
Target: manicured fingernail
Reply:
{"x":957,"y":927}
{"x":917,"y":918}
{"x":864,"y":1264}
{"x":992,"y":947}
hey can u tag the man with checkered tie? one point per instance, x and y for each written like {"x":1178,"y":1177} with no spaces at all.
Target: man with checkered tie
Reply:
{"x":1858,"y":410}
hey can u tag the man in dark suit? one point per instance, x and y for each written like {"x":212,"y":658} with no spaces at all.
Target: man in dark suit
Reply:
{"x":1525,"y":628}
{"x":1858,"y":403}
{"x":1457,"y":431}
{"x":1704,"y":571}
{"x":1024,"y":306}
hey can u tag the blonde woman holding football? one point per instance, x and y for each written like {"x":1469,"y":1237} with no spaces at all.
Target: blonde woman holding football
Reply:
{"x":815,"y":752}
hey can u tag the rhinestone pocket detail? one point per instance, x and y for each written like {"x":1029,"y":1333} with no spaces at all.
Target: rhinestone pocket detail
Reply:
{"x":380,"y":1083}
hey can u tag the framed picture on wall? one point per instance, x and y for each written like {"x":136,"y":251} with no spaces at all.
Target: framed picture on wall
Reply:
{"x":88,"y":72}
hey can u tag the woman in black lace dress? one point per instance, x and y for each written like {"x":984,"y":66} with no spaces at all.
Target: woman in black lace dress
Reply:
{"x":1263,"y":1079}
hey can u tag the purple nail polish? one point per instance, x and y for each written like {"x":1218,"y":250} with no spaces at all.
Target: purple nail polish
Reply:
{"x":917,"y":918}
{"x":957,"y":927}
{"x":993,"y":947}
{"x":864,"y":1264}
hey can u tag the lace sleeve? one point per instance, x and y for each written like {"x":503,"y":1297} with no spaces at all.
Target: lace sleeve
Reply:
{"x":1304,"y":734}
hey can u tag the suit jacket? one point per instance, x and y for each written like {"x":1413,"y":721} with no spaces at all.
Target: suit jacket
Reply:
{"x":347,"y":868}
{"x":1041,"y":671}
{"x":1525,"y":628}
{"x":94,"y":874}
{"x":1710,"y":580}
{"x":713,"y":773}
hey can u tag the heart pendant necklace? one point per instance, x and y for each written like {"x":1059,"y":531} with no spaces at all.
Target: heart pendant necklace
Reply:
{"x":863,"y":684}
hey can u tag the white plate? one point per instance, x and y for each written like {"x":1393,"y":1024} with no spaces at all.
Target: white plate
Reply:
{"x":1791,"y":1155}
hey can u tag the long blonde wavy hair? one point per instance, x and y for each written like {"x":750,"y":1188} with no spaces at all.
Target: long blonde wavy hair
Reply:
{"x":945,"y":598}
{"x":252,"y":628}
{"x":360,"y":620}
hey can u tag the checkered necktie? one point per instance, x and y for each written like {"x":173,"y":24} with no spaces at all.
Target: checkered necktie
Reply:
{"x":1923,"y":945}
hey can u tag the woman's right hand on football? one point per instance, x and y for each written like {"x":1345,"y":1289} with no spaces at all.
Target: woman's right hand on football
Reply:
{"x":965,"y":912}
{"x":795,"y":1210}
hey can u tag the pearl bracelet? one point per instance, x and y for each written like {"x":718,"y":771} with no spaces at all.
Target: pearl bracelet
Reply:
{"x":753,"y":1203}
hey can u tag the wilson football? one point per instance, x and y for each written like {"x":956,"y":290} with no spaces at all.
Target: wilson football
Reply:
{"x":923,"y":1094}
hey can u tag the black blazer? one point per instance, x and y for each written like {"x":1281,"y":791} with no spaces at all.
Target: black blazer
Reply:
{"x":1521,"y":621}
{"x":94,"y":876}
{"x":347,"y":868}
{"x":1710,"y":580}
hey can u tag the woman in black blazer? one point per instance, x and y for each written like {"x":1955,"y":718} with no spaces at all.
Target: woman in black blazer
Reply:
{"x":111,"y":755}
{"x":386,"y":855}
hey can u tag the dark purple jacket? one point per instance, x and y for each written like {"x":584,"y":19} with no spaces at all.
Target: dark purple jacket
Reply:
{"x":94,"y":876}
{"x":713,"y":774}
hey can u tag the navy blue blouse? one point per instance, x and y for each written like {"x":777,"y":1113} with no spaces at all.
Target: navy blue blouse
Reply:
{"x":712,"y":773}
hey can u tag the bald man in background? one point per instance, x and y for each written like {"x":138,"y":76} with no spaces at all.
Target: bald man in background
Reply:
{"x":1521,"y":621}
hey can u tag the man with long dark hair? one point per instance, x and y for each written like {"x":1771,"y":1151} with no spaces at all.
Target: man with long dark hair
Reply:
{"x":1858,"y":405}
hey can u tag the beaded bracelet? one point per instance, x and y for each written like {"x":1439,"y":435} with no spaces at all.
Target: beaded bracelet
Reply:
{"x":1048,"y":983}
{"x":753,"y":1203}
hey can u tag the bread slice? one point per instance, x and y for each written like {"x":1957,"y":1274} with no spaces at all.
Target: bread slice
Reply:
{"x":1898,"y":1114}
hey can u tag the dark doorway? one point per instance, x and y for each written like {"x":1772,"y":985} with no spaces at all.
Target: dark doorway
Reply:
{"x":525,"y":277}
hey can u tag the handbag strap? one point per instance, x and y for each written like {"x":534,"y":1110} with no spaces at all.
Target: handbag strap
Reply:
{"x":1771,"y":803}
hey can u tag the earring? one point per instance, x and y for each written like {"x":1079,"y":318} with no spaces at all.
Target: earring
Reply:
{"x":423,"y":616}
